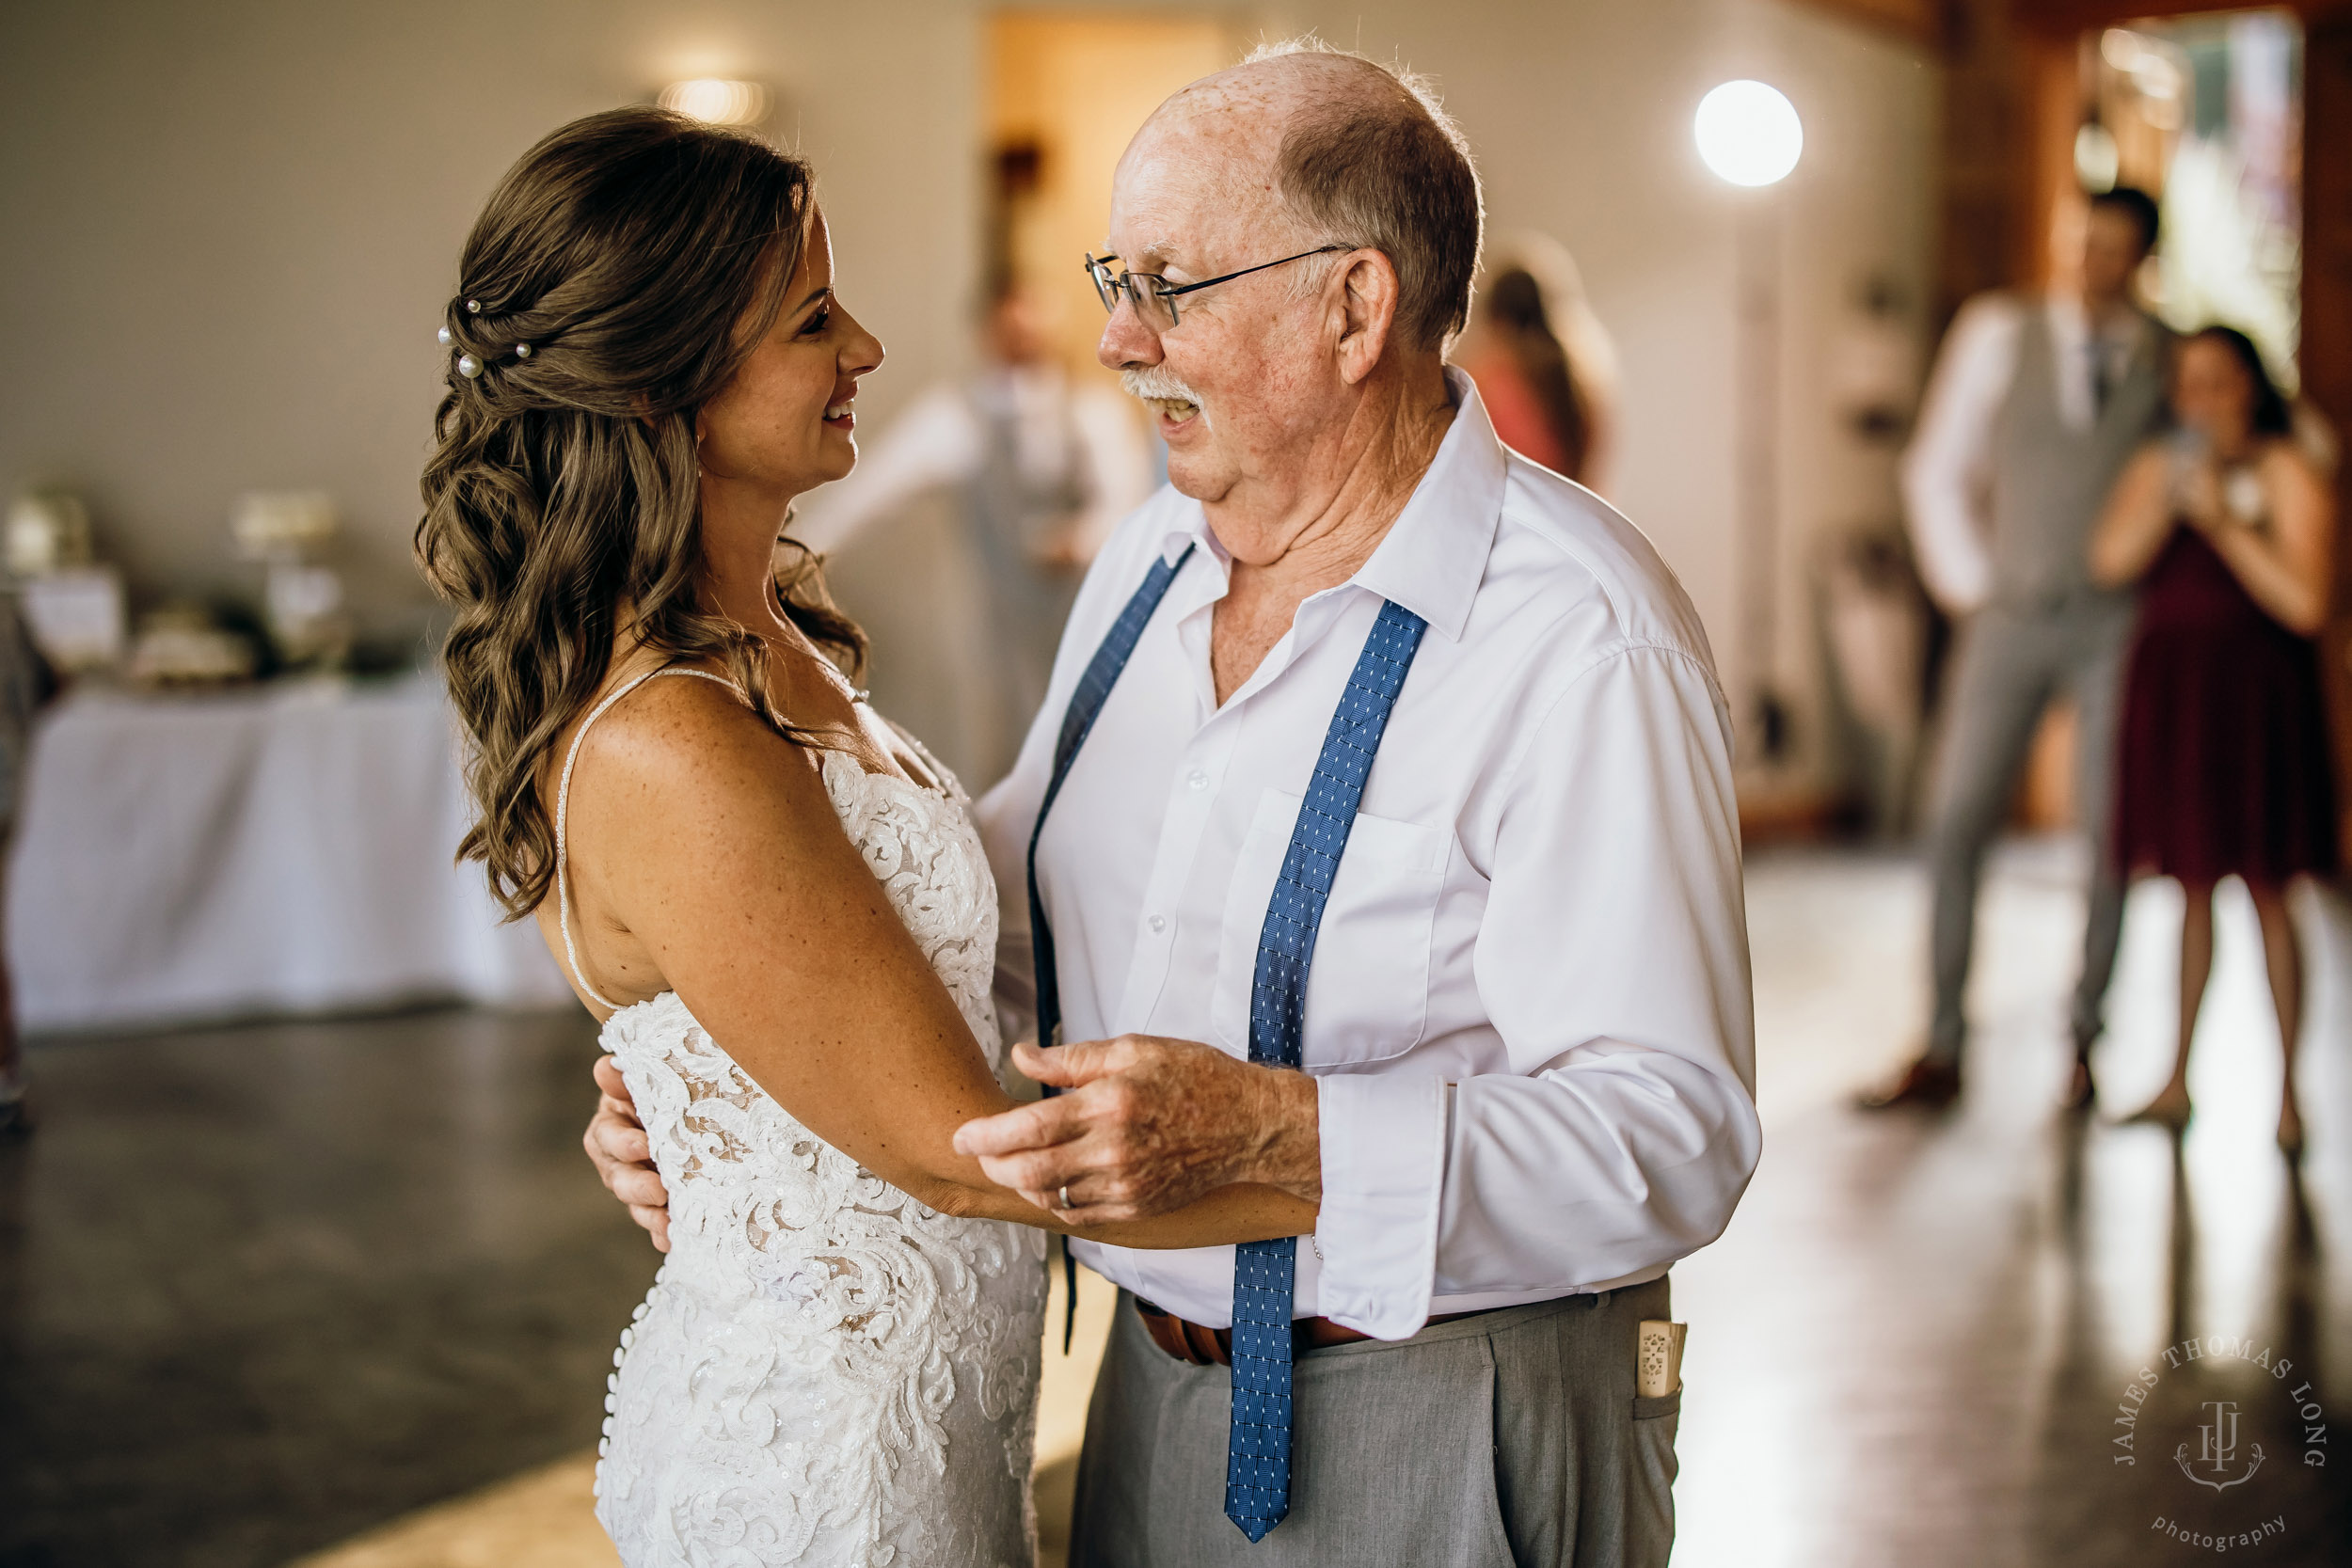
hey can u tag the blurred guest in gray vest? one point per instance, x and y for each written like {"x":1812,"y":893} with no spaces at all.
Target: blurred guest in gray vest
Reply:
{"x":2036,"y":405}
{"x":1041,"y":468}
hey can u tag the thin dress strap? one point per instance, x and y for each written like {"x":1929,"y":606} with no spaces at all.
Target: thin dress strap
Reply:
{"x":563,"y":805}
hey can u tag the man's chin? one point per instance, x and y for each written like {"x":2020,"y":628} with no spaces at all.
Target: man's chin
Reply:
{"x":1195,"y":475}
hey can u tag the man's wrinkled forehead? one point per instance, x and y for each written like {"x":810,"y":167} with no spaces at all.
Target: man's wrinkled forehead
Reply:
{"x":1199,"y":177}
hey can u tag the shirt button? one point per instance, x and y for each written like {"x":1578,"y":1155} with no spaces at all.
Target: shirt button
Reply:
{"x":1158,"y":923}
{"x":1197,"y":780}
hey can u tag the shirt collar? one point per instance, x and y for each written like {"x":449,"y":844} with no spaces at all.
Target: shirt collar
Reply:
{"x":1435,"y":554}
{"x":2071,"y":323}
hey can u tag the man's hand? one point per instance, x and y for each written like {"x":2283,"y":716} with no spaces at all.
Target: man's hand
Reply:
{"x":616,"y":1142}
{"x":1146,"y":1126}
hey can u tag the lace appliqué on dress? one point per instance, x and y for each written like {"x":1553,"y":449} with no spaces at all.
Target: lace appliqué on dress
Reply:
{"x":826,"y":1372}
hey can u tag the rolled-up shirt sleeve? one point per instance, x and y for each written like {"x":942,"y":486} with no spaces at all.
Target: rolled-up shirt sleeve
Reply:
{"x":1613,"y":959}
{"x":1384,"y":1157}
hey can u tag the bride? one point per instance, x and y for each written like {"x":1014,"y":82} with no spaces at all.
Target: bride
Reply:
{"x":773,"y":899}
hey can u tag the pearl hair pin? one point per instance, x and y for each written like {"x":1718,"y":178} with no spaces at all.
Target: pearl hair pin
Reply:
{"x":467,"y":365}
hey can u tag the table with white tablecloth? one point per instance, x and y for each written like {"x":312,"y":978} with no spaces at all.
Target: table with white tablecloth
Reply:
{"x":283,"y":848}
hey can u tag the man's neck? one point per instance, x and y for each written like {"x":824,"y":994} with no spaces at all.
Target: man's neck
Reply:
{"x":1355,"y":490}
{"x":1352,"y":491}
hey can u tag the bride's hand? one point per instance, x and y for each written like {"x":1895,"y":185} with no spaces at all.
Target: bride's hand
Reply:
{"x":616,"y":1143}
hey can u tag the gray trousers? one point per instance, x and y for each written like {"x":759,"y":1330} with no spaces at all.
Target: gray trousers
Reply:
{"x":2011,"y":663}
{"x":1512,"y":1439}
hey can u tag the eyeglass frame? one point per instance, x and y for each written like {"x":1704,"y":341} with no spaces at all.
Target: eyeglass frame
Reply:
{"x":1110,"y":287}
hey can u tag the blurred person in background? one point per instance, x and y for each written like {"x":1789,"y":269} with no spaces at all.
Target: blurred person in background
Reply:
{"x":2228,"y":529}
{"x":2036,"y":405}
{"x":1041,"y":468}
{"x":1545,"y":367}
{"x":26,"y":682}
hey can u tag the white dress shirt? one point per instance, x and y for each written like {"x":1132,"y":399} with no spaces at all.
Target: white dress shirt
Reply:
{"x":1947,"y":468}
{"x":1529,"y":1013}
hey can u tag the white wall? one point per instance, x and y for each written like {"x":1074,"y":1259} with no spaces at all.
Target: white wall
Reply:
{"x":226,"y":232}
{"x":1861,"y":203}
{"x":1581,"y":117}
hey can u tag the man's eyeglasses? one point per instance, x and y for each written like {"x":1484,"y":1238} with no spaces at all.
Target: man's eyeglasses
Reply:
{"x":1154,"y":296}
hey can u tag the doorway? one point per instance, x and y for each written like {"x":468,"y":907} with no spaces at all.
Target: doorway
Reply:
{"x":2205,"y":111}
{"x":1065,"y":91}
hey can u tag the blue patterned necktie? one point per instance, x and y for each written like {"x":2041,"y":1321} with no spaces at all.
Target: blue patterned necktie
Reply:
{"x":1086,"y":706}
{"x":1258,"y":1451}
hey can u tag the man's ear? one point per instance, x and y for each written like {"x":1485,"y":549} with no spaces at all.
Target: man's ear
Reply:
{"x":1367,"y":305}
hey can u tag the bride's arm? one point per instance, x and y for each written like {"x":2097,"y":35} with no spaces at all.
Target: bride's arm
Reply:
{"x":712,"y":842}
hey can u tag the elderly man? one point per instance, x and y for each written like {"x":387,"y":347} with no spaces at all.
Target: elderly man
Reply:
{"x":1379,"y":841}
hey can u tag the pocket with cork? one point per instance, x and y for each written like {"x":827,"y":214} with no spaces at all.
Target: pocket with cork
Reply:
{"x":1658,"y":1359}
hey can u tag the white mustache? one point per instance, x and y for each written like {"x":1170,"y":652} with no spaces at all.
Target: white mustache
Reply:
{"x":1150,"y":382}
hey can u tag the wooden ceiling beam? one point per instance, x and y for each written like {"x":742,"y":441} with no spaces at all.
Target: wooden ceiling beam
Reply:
{"x":1919,"y":21}
{"x":2070,"y":17}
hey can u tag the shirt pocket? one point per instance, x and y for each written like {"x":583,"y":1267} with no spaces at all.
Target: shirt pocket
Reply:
{"x":1368,"y":990}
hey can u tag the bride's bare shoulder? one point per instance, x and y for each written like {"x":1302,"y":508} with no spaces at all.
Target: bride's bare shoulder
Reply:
{"x":683,"y":738}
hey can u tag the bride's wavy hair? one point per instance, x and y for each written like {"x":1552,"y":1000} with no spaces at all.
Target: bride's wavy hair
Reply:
{"x":617,"y":279}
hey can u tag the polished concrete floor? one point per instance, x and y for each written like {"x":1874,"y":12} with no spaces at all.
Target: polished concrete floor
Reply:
{"x":265,"y":1288}
{"x":262,"y":1288}
{"x":1915,"y":1341}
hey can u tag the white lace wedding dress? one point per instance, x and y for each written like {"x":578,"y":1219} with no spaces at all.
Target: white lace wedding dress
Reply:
{"x":826,"y":1371}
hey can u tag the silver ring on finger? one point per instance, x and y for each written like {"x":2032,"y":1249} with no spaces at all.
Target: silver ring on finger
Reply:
{"x":1064,"y":1194}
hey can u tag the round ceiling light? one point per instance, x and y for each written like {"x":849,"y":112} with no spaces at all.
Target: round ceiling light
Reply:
{"x":716,"y":101}
{"x":1749,"y":132}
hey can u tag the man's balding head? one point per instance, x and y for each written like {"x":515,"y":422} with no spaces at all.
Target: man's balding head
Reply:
{"x":1353,"y":154}
{"x":1320,"y":218}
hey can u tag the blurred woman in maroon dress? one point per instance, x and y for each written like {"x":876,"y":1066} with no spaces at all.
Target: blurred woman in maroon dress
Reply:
{"x":2227,"y":528}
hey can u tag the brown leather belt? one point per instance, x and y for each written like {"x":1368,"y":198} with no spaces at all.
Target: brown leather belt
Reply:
{"x":1214,"y":1347}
